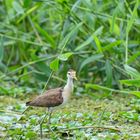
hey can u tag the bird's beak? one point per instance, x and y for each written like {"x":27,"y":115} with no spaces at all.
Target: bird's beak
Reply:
{"x":75,"y":78}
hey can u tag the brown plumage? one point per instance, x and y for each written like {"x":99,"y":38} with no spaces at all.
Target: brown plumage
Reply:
{"x":50,"y":98}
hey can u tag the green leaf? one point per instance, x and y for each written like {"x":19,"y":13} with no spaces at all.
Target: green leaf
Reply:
{"x":40,"y":77}
{"x":98,"y":87}
{"x":75,"y":5}
{"x":131,"y":82}
{"x":85,"y":43}
{"x":97,"y":41}
{"x":136,"y":93}
{"x":90,"y":59}
{"x":108,"y":69}
{"x":1,"y":49}
{"x":132,"y":17}
{"x":114,"y":28}
{"x":90,"y":39}
{"x":18,"y":8}
{"x":66,"y":39}
{"x":98,"y":31}
{"x":132,"y":72}
{"x":46,"y":35}
{"x":35,"y":7}
{"x":111,"y":45}
{"x":43,"y":67}
{"x":27,"y":3}
{"x":65,"y":56}
{"x":31,"y":134}
{"x":54,"y":65}
{"x":3,"y":67}
{"x":133,"y":57}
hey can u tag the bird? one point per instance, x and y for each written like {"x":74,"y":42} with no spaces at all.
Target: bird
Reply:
{"x":54,"y":97}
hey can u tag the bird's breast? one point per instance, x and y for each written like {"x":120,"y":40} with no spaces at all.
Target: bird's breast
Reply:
{"x":66,"y":94}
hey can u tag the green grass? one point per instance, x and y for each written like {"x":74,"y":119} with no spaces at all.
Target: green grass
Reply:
{"x":83,"y":118}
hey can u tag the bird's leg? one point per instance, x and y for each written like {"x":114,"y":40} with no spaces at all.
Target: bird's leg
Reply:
{"x":41,"y":122}
{"x":50,"y":113}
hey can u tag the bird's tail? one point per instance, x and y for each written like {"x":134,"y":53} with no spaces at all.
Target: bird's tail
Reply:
{"x":28,"y":103}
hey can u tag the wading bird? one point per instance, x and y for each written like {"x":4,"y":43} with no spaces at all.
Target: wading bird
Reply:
{"x":54,"y":97}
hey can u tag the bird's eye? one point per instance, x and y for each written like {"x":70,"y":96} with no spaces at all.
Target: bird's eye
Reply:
{"x":68,"y":73}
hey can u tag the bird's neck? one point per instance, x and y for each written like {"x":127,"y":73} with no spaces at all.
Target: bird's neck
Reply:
{"x":69,"y":84}
{"x":67,"y":90}
{"x":69,"y":87}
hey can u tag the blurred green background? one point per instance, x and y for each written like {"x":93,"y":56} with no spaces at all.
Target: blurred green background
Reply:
{"x":99,"y":39}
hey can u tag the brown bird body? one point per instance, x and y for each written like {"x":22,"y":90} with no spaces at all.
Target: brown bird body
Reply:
{"x":50,"y":98}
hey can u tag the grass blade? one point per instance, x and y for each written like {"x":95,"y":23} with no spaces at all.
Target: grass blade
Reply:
{"x":90,"y":59}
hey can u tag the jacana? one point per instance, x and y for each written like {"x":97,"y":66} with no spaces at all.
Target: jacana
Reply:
{"x":54,"y":97}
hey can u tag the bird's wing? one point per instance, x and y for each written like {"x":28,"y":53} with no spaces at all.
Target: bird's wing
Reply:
{"x":50,"y":98}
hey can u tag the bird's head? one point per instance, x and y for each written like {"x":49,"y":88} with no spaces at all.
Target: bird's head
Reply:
{"x":71,"y":74}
